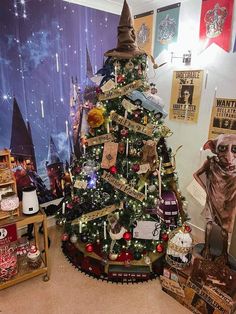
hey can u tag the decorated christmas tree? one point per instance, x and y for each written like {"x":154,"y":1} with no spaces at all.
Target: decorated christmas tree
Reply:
{"x":125,"y":196}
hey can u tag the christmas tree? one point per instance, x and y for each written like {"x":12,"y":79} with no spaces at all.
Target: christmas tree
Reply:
{"x":125,"y":194}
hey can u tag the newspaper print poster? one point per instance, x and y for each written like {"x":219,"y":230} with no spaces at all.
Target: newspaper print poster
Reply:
{"x":143,"y":25}
{"x":223,"y":117}
{"x":186,"y":95}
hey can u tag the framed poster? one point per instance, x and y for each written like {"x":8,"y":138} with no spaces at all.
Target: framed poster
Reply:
{"x":223,"y":117}
{"x":186,"y":95}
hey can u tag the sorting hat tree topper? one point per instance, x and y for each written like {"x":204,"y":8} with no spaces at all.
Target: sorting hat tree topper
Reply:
{"x":124,"y":170}
{"x":219,"y":183}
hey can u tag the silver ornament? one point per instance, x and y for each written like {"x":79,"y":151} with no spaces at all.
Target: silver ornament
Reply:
{"x":151,"y":188}
{"x":73,"y":238}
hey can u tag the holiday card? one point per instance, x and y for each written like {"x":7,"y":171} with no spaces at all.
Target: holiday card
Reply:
{"x":108,"y":86}
{"x":195,"y":189}
{"x":148,"y":230}
{"x":109,"y":156}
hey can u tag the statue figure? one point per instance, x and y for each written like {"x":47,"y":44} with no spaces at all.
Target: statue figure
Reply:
{"x":217,"y":176}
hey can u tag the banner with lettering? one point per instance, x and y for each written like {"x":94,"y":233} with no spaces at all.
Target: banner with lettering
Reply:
{"x":186,"y":95}
{"x":223,"y":117}
{"x":167,"y":24}
{"x":143,"y":26}
{"x":127,"y":189}
{"x":216,"y":23}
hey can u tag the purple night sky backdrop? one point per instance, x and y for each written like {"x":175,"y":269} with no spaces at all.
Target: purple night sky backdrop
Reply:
{"x":32,"y":33}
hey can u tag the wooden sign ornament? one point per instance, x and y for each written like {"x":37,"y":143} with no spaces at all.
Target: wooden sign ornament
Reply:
{"x":127,"y":189}
{"x":97,"y":214}
{"x":136,"y":127}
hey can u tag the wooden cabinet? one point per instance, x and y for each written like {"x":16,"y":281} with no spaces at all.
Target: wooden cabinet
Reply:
{"x":7,"y":179}
{"x":24,"y":272}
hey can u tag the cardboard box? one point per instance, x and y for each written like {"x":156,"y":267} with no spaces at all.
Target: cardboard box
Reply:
{"x":199,"y":299}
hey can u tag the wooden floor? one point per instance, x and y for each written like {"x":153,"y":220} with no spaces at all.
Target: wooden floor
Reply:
{"x":72,"y":292}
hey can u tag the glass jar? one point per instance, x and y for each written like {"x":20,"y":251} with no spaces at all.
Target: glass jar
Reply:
{"x":34,"y":259}
{"x":9,"y":202}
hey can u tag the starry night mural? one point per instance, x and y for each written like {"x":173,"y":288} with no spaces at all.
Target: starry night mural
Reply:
{"x":43,"y":44}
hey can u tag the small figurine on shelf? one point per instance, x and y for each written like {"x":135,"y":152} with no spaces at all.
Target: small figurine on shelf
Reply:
{"x":34,"y":257}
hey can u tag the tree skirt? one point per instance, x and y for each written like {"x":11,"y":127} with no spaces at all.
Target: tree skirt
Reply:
{"x":93,"y":265}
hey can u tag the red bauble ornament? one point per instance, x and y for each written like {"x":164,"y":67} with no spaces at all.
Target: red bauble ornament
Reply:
{"x":98,"y":90}
{"x":165,"y":237}
{"x":77,"y":170}
{"x":89,"y":247}
{"x":65,"y":237}
{"x":113,"y":170}
{"x":159,"y":248}
{"x":137,"y":116}
{"x":124,"y":132}
{"x":120,"y":78}
{"x":135,"y":167}
{"x":187,"y":228}
{"x":127,"y":236}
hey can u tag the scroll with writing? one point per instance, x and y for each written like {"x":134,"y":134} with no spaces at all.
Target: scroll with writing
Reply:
{"x":136,"y":127}
{"x":120,"y":91}
{"x":100,"y":139}
{"x":97,"y":213}
{"x":127,"y":189}
{"x":109,"y":155}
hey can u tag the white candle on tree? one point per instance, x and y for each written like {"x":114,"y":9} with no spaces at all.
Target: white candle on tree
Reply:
{"x":80,"y":226}
{"x":127,"y":147}
{"x":105,"y":229}
{"x":63,"y":208}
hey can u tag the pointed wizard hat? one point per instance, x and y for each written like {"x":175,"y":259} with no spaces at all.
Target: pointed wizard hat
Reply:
{"x":126,"y":45}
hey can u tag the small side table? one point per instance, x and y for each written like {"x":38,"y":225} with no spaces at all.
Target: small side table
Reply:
{"x":25,"y":273}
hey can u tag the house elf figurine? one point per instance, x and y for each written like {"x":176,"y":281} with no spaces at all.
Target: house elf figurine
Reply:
{"x":218,"y":178}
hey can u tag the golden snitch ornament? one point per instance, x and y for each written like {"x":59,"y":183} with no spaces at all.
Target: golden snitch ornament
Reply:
{"x":95,"y":117}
